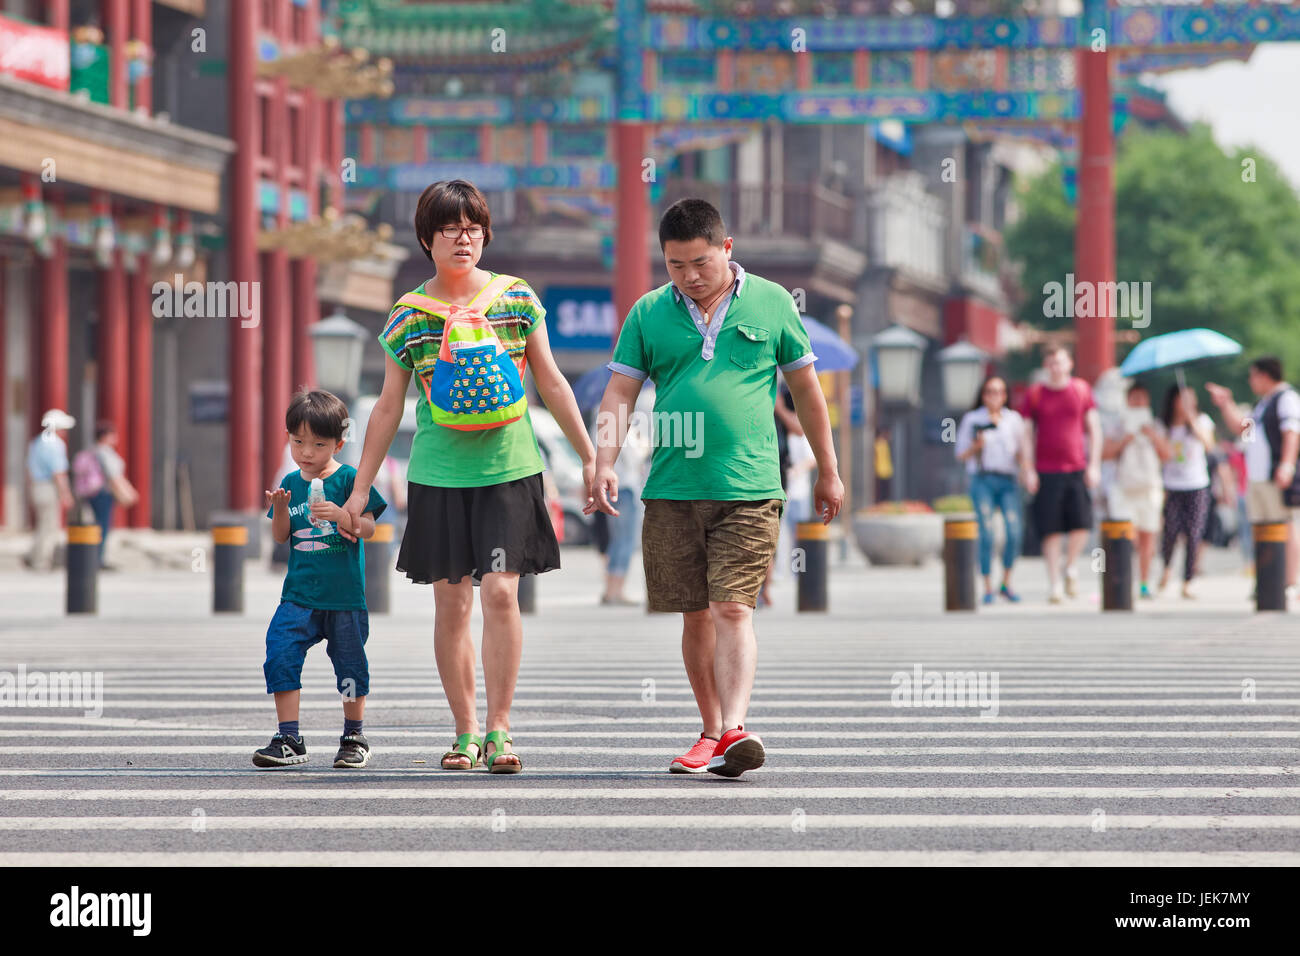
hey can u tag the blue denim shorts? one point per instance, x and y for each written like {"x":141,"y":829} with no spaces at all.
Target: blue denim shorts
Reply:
{"x":294,"y":629}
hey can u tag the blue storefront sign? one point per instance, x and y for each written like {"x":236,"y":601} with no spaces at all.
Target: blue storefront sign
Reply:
{"x":579,"y":317}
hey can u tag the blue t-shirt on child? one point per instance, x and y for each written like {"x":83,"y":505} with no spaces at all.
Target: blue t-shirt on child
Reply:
{"x":326,"y":571}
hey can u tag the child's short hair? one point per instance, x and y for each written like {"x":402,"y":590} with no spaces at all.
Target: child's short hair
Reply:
{"x":322,"y":412}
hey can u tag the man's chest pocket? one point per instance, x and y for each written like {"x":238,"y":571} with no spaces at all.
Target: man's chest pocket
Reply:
{"x":749,"y":346}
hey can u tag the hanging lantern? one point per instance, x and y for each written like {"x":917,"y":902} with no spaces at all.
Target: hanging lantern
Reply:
{"x":105,"y":241}
{"x":162,"y":238}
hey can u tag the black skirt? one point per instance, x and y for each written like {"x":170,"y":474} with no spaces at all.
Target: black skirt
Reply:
{"x":453,"y":532}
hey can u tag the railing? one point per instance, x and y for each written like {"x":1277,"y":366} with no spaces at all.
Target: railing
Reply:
{"x":907,"y":226}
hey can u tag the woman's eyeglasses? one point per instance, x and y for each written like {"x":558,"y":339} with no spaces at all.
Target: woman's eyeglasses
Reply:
{"x":453,"y":232}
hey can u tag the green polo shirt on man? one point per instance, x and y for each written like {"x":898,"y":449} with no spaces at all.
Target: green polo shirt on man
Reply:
{"x":714,"y":426}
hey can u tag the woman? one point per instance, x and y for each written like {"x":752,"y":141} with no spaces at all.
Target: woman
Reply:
{"x":114,"y":487}
{"x":991,"y":441}
{"x":476,"y":508}
{"x":1181,"y":445}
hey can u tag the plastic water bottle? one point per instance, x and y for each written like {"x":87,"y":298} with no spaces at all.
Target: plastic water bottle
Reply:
{"x":317,"y":493}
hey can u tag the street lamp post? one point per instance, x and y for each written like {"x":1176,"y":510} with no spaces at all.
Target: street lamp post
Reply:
{"x":897,"y":352}
{"x":962,"y":367}
{"x":337,"y":345}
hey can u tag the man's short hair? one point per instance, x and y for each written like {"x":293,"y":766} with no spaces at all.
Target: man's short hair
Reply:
{"x":322,"y":412}
{"x":1137,"y":387}
{"x":689,"y":219}
{"x":1269,"y":365}
{"x":103,"y":428}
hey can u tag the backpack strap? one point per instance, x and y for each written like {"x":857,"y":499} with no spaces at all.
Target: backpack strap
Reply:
{"x":482,"y":301}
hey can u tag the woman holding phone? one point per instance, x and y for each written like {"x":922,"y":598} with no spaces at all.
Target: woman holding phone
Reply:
{"x":991,"y":441}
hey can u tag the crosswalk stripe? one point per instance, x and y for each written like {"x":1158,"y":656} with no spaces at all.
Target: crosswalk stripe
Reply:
{"x":717,"y":857}
{"x":690,"y":789}
{"x":487,"y":822}
{"x":1128,"y":770}
{"x":159,"y":749}
{"x":1004,"y":701}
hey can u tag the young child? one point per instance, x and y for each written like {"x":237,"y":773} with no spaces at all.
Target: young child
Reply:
{"x":324,"y":596}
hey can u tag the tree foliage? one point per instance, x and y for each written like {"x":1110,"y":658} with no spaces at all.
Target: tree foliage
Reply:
{"x":1220,"y":251}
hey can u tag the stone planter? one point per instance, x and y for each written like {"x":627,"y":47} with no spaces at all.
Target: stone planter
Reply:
{"x":899,"y":538}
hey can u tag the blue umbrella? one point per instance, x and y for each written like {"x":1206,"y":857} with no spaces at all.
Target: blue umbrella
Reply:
{"x":833,"y":353}
{"x":1177,"y":348}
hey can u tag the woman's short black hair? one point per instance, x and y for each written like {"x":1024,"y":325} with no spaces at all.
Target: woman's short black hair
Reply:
{"x":102,"y":428}
{"x":322,"y":412}
{"x":1168,"y":407}
{"x":689,"y":219}
{"x":443,"y":204}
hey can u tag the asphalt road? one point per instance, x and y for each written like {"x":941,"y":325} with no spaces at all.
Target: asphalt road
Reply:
{"x":1166,"y":736}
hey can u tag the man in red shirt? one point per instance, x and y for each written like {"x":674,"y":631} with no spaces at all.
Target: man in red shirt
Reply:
{"x":1059,"y":412}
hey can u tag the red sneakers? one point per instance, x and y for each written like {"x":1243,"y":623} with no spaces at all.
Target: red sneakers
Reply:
{"x":694,"y":760}
{"x":736,"y":752}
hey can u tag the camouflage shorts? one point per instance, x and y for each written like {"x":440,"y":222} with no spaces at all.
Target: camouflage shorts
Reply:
{"x":701,"y":551}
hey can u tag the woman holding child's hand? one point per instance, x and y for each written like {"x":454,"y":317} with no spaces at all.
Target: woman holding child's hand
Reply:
{"x":476,"y":511}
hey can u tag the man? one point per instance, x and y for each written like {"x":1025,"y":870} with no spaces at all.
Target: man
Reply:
{"x":1137,"y":493}
{"x":1272,"y":490}
{"x":47,"y":473}
{"x":1059,"y":412}
{"x":711,"y":340}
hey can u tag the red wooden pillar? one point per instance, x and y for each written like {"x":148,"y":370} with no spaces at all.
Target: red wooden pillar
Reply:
{"x":631,"y":261}
{"x":115,"y":13}
{"x":142,"y":30}
{"x":306,"y":305}
{"x":50,"y":330}
{"x":58,"y":14}
{"x":277,"y":296}
{"x":112,"y":367}
{"x":244,"y":423}
{"x":1094,"y":236}
{"x":4,"y":394}
{"x":139,"y":443}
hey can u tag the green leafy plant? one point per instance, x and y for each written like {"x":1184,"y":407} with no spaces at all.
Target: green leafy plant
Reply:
{"x":952,"y":504}
{"x":898,"y":508}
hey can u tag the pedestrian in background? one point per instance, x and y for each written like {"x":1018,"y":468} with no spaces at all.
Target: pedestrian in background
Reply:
{"x":884,"y":464}
{"x":99,"y":480}
{"x":48,"y":486}
{"x":991,"y":441}
{"x":1137,"y":493}
{"x":1067,"y":445}
{"x":1273,"y":487}
{"x":1182,"y":443}
{"x":625,"y":528}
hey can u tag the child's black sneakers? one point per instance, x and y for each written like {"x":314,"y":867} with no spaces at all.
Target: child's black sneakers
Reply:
{"x":354,"y":752}
{"x":282,"y":751}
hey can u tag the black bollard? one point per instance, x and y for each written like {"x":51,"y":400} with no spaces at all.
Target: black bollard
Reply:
{"x":527,"y":594}
{"x":812,"y":544}
{"x":959,"y":557}
{"x":378,"y":555}
{"x":1117,"y":576}
{"x":228,"y":543}
{"x":1270,"y":565}
{"x":82,"y":568}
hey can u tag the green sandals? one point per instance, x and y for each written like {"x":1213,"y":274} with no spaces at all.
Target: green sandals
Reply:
{"x":498,"y":738}
{"x":461,"y":749}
